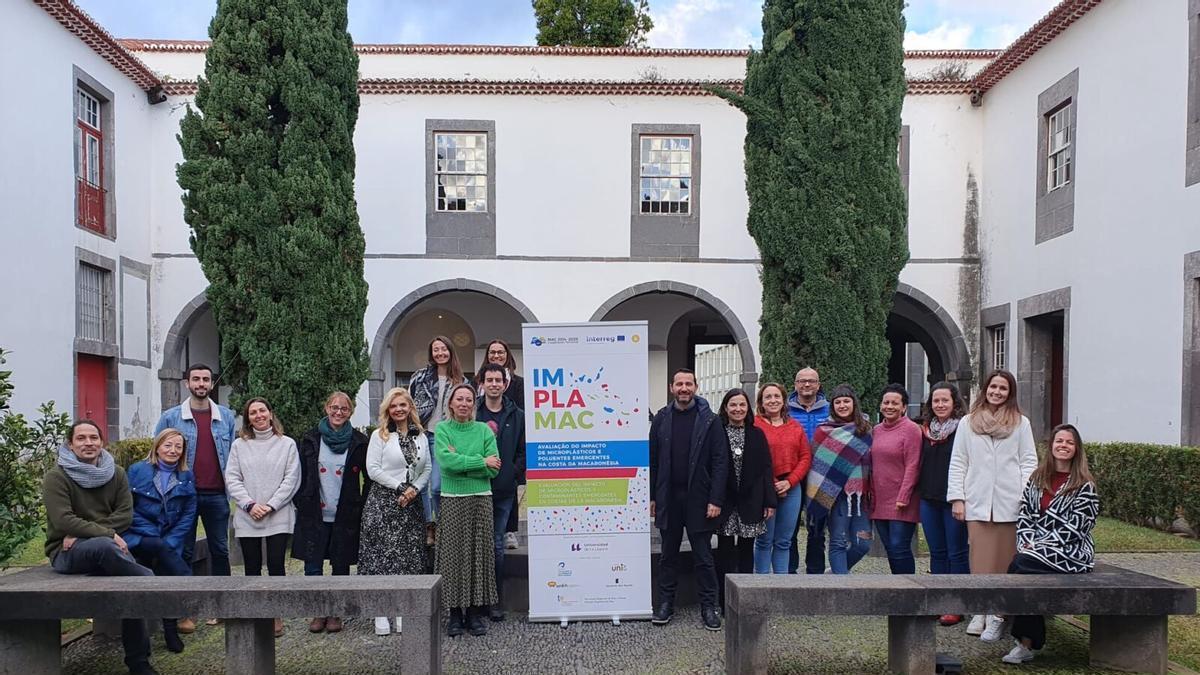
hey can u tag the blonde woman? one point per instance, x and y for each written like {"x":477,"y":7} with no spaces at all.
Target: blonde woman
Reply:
{"x":992,"y":459}
{"x":392,"y":539}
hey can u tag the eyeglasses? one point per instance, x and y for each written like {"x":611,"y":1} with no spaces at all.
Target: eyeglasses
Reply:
{"x":808,"y":381}
{"x":339,"y":409}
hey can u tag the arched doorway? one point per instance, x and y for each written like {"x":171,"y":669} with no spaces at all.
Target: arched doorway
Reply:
{"x":468,"y":312}
{"x":927,"y":346}
{"x":688,"y":328}
{"x":192,"y":338}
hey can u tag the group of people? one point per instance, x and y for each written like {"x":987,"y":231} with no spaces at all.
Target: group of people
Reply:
{"x":971,"y":480}
{"x":439,"y":471}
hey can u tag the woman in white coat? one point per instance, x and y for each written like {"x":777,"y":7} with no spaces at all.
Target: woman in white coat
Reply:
{"x":992,"y":459}
{"x":392,"y":537}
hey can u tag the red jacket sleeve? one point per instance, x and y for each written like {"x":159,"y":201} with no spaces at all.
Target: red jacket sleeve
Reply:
{"x":803,"y":459}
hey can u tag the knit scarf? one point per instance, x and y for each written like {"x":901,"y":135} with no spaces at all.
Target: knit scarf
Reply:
{"x":841,"y":464}
{"x":87,"y":475}
{"x":986,"y":422}
{"x":938,"y":431}
{"x":338,"y":440}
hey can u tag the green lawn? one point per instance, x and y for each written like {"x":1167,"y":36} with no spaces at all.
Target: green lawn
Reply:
{"x":1115,"y":536}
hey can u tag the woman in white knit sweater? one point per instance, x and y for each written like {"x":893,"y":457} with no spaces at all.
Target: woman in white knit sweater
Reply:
{"x":262,"y":475}
{"x":992,"y":459}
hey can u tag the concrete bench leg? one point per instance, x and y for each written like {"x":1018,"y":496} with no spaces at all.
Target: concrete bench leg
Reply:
{"x":1135,"y":644}
{"x":30,"y":647}
{"x":745,"y":642}
{"x":250,"y":646}
{"x":421,"y":645}
{"x":912,"y":647}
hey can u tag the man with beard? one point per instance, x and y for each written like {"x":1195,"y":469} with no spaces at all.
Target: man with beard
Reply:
{"x":208,"y":430}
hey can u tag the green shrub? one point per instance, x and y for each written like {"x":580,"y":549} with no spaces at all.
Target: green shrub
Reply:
{"x":1143,"y":484}
{"x":129,"y":450}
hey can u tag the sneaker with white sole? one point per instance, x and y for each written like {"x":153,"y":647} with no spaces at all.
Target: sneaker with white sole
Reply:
{"x":382,"y":626}
{"x":398,"y":624}
{"x":510,"y":540}
{"x":994,"y":629}
{"x":977,"y":625}
{"x":1018,"y":655}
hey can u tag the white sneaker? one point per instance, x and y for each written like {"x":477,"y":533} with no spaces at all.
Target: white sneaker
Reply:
{"x":510,"y":540}
{"x":994,"y":630}
{"x":381,"y":626}
{"x":1018,"y":655}
{"x":977,"y":624}
{"x":398,"y":624}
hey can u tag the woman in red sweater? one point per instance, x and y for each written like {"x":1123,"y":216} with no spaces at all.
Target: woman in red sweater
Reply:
{"x":790,"y":457}
{"x":896,"y":465}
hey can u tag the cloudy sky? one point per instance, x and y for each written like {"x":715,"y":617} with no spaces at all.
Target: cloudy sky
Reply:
{"x":932,"y":24}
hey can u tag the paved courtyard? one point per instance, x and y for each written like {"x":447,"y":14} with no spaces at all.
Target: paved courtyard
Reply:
{"x":798,"y":645}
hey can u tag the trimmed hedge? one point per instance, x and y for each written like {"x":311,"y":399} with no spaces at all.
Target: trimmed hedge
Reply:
{"x":1147,"y":484}
{"x":127,"y":451}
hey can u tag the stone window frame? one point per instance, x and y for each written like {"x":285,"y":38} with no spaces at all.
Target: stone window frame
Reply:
{"x":991,"y":318}
{"x":1055,"y":210}
{"x":674,"y":236}
{"x":108,"y":345}
{"x":133,"y":268}
{"x":1032,"y":307}
{"x":1189,"y":427}
{"x":1192,"y":159}
{"x":466,"y":233}
{"x":82,"y":80}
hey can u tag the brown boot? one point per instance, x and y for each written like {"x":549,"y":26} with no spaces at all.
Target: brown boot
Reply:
{"x":333,"y":624}
{"x":430,"y":534}
{"x":186,"y":625}
{"x":278,"y":627}
{"x":317,"y":625}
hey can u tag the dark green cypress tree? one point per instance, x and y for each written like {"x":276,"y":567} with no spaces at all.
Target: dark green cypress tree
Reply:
{"x":827,"y":209}
{"x":268,"y":181}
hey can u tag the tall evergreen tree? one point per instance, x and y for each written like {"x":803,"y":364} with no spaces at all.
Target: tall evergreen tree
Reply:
{"x":592,"y":23}
{"x":268,"y":183}
{"x":827,"y":209}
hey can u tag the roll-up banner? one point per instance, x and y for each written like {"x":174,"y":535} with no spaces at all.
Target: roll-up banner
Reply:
{"x":588,"y":470}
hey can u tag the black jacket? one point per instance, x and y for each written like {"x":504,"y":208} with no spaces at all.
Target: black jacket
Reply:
{"x":510,"y":442}
{"x":757,"y":489}
{"x":935,"y":467}
{"x":307,"y":541}
{"x":516,"y":391}
{"x":708,"y":466}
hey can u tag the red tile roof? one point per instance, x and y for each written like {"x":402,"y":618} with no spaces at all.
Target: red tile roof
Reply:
{"x":93,"y":35}
{"x":1049,"y":27}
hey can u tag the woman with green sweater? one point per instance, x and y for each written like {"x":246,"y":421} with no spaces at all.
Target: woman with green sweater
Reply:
{"x":467,"y":457}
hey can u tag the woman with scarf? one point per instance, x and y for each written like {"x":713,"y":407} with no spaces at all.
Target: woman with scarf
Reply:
{"x":329,"y":502}
{"x":430,"y":388}
{"x":992,"y":459}
{"x":895,"y":464}
{"x":839,"y":479}
{"x":947,"y":537}
{"x":393,"y":521}
{"x":750,"y":497}
{"x":164,"y":509}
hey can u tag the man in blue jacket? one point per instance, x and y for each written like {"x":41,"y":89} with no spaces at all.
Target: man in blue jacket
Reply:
{"x":208,"y":429}
{"x":689,"y":464}
{"x":507,"y":421}
{"x":807,"y":405}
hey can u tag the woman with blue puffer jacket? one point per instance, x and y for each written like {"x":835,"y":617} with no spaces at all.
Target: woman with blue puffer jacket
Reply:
{"x":164,"y":509}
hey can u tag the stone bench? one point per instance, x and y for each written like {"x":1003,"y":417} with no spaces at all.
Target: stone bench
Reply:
{"x":1128,"y":610}
{"x":32,"y":603}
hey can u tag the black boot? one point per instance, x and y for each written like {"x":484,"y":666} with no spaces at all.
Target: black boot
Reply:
{"x":475,"y":623}
{"x":454,"y":627}
{"x":712,"y":621}
{"x":662,"y":615}
{"x":171,"y":635}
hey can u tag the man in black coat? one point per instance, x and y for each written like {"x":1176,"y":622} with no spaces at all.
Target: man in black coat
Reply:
{"x":507,"y":421}
{"x":689,"y":465}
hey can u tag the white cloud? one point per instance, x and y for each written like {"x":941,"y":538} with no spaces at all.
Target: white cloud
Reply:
{"x":732,"y":24}
{"x":946,"y":35}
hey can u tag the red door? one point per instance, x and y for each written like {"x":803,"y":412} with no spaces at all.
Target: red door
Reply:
{"x":91,"y":389}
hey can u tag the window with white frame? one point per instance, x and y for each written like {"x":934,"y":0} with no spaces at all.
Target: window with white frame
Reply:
{"x":461,"y":171}
{"x":999,"y":337}
{"x":93,"y":289}
{"x":665,"y":176}
{"x":1058,"y":148}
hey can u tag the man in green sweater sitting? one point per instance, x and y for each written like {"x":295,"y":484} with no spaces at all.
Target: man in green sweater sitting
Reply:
{"x":88,"y":505}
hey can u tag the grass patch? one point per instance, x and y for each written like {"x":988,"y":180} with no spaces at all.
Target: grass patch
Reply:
{"x":1115,"y":536}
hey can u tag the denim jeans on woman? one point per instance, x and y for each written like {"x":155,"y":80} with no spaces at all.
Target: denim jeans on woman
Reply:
{"x":947,"y":539}
{"x":772,"y":547}
{"x":849,"y":535}
{"x":897,"y":536}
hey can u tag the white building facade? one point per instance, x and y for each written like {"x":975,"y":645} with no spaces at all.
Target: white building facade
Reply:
{"x":609,"y":184}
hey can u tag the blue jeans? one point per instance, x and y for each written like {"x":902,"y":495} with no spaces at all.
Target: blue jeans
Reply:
{"x":849,"y":535}
{"x":896,"y":536}
{"x":772,"y":548}
{"x":213,"y":509}
{"x":947,"y":539}
{"x":814,"y":553}
{"x":431,"y":496}
{"x":501,"y":508}
{"x":153,"y":552}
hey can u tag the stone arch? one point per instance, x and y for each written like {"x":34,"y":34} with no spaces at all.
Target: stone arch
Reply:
{"x":168,"y":375}
{"x":390,"y":322}
{"x":749,"y":365}
{"x":943,"y":341}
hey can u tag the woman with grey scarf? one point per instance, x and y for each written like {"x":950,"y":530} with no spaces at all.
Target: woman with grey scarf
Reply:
{"x":946,"y":535}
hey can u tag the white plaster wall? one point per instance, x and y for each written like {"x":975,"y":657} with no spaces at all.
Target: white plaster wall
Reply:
{"x":1133,"y":221}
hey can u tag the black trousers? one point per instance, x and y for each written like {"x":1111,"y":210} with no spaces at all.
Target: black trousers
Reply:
{"x":252,"y":556}
{"x":735,"y":555}
{"x":702,"y":556}
{"x":1032,"y":628}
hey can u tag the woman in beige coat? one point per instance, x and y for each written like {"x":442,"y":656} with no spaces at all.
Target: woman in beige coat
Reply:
{"x":992,"y":459}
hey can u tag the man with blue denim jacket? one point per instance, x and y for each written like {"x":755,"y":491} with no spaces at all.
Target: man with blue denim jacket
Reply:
{"x":807,"y":405}
{"x":208,"y":429}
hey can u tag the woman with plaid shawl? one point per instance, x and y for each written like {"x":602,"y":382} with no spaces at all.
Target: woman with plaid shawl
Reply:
{"x":839,"y":479}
